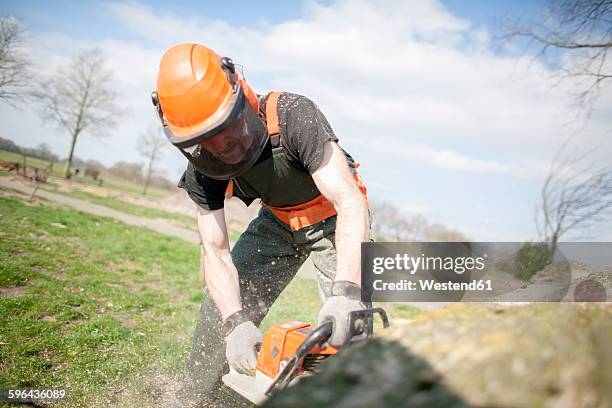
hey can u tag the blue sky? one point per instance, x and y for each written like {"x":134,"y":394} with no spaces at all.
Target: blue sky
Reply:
{"x":61,"y":14}
{"x":53,"y":16}
{"x":455,"y":127}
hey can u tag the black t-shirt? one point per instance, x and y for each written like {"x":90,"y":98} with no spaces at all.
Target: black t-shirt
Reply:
{"x":303,"y":129}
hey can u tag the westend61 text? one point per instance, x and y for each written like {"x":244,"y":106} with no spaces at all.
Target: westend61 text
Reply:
{"x":431,"y":284}
{"x":412,"y":264}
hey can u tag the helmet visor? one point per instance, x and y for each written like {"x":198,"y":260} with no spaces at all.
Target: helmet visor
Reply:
{"x":232,"y":150}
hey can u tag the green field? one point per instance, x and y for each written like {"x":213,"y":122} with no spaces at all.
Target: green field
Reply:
{"x":179,"y":220}
{"x":102,"y":308}
{"x":120,"y":205}
{"x":32,"y":161}
{"x":109,"y":180}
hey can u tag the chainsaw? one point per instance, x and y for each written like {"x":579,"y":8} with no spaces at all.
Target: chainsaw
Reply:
{"x":293,"y":350}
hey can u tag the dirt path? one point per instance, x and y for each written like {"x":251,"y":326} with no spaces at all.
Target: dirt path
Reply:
{"x":81,"y":205}
{"x":307,"y":270}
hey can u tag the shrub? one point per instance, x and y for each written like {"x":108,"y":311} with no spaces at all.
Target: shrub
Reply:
{"x":530,"y":259}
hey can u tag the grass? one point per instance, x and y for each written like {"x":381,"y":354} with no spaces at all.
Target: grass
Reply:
{"x":116,"y":183}
{"x":108,"y":179}
{"x":92,"y":302}
{"x":119,"y":205}
{"x":99,"y":307}
{"x":177,"y":219}
{"x":32,"y":161}
{"x":180,"y":220}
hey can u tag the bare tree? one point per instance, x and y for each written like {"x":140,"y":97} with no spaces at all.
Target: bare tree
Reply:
{"x":128,"y":171}
{"x":80,"y":98}
{"x":15,"y":75}
{"x":437,"y":232}
{"x":575,"y":196}
{"x":150,"y":145}
{"x":389,"y":224}
{"x":582,"y":31}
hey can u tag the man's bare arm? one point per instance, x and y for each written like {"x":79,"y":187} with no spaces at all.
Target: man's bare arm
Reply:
{"x":220,"y":273}
{"x":336,"y":182}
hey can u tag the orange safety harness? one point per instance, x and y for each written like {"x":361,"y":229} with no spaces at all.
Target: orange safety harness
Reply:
{"x":308,"y":213}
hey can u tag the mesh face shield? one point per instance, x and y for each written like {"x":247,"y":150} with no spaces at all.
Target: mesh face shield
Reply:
{"x":231,"y":151}
{"x":226,"y":147}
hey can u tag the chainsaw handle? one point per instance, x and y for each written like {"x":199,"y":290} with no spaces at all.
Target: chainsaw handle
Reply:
{"x":360,"y":322}
{"x":317,"y":337}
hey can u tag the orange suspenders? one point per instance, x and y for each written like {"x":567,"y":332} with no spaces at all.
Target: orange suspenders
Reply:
{"x":311,"y":212}
{"x":272,"y":114}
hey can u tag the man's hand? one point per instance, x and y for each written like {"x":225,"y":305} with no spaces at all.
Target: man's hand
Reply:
{"x":345,"y":298}
{"x":242,"y":339}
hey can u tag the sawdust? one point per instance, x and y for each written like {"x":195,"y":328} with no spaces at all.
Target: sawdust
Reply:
{"x":154,"y":389}
{"x":149,"y":389}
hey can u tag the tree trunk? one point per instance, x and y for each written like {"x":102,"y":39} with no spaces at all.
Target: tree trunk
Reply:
{"x":553,"y":246}
{"x":69,"y":160}
{"x":408,"y":365}
{"x":148,"y":177}
{"x":146,"y":185}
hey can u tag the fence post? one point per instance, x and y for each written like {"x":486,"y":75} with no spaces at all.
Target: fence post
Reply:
{"x":34,"y":191}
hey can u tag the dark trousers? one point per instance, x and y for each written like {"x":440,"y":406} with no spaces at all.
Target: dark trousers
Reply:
{"x":267,"y":257}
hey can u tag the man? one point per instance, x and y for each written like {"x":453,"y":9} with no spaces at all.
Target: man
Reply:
{"x":278,"y":148}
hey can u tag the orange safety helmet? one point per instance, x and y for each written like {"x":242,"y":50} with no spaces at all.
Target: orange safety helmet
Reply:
{"x":201,"y":100}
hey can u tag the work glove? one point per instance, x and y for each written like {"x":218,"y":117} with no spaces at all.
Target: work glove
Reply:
{"x":345,"y":298}
{"x":242,"y":340}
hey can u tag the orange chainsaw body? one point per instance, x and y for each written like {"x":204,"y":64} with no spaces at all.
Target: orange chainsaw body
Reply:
{"x":281,"y":343}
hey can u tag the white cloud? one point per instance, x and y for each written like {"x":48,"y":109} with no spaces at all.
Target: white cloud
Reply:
{"x":441,"y":158}
{"x":395,"y":78}
{"x":407,"y":69}
{"x":414,"y":209}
